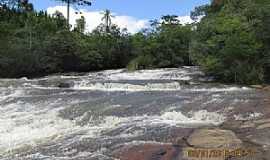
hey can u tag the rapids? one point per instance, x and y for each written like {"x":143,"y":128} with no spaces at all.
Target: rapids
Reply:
{"x":96,"y":112}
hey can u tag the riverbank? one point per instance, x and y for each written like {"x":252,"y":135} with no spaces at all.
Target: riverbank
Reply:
{"x":238,"y":137}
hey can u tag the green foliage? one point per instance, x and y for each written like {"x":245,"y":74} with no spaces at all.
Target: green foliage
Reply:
{"x":34,"y":44}
{"x":141,"y":62}
{"x":166,"y":45}
{"x":80,"y":25}
{"x":228,"y":44}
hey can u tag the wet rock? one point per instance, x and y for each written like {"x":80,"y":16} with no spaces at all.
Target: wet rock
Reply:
{"x":214,"y":138}
{"x":248,"y":125}
{"x":182,"y":82}
{"x":267,"y":88}
{"x":260,"y":137}
{"x":262,"y":121}
{"x":149,"y":151}
{"x":257,"y":86}
{"x":264,"y":126}
{"x":261,"y":87}
{"x":65,"y":85}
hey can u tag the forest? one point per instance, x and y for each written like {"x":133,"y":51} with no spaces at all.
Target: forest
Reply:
{"x":229,"y":39}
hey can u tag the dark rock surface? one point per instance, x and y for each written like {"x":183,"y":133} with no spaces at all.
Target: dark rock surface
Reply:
{"x":65,"y":85}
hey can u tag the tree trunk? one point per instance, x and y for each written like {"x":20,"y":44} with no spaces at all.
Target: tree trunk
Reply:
{"x":68,"y":7}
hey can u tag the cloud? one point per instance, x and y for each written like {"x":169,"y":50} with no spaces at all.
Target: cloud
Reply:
{"x":93,"y":19}
{"x":185,"y":19}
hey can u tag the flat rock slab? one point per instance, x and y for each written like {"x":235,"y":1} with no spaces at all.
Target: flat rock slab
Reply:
{"x":214,"y":138}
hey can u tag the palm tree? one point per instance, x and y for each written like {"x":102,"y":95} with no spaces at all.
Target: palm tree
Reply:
{"x":107,"y":18}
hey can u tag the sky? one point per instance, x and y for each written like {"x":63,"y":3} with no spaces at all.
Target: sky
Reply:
{"x":131,"y":14}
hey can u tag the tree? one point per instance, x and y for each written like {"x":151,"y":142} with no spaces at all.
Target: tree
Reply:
{"x":170,"y":19}
{"x":75,"y":2}
{"x":199,"y":12}
{"x":229,"y":41}
{"x":25,"y":6}
{"x":60,"y":19}
{"x":107,"y":18}
{"x":9,"y":3}
{"x":80,"y":25}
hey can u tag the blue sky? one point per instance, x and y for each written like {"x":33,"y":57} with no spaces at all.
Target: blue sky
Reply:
{"x":141,"y":9}
{"x":131,"y":14}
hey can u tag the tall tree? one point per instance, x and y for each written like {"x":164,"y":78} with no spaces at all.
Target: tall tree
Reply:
{"x":107,"y":18}
{"x":74,"y":2}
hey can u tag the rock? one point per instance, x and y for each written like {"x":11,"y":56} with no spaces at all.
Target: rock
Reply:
{"x":264,"y":126}
{"x":267,"y":88}
{"x":257,"y":86}
{"x":214,"y":138}
{"x":149,"y":151}
{"x":262,"y":87}
{"x":248,"y":125}
{"x":262,"y":121}
{"x":64,"y":85}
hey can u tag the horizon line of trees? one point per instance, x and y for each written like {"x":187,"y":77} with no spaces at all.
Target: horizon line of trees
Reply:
{"x":230,"y":42}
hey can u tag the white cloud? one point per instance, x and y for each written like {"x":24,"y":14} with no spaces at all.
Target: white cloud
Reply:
{"x":185,"y":19}
{"x":93,"y":19}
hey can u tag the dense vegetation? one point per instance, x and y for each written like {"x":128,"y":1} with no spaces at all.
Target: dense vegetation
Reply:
{"x":34,"y":44}
{"x":230,"y":42}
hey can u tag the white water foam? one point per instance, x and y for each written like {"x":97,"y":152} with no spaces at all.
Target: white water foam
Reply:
{"x":23,"y":124}
{"x":85,"y":85}
{"x":161,"y":74}
{"x":198,"y":117}
{"x":184,"y":73}
{"x":170,"y":86}
{"x":29,"y":126}
{"x":9,"y":94}
{"x":250,"y":116}
{"x":173,"y":118}
{"x":224,"y":89}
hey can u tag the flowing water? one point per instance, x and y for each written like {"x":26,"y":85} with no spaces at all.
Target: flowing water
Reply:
{"x":97,"y":112}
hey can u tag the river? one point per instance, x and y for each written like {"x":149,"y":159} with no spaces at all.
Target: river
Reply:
{"x":89,"y":116}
